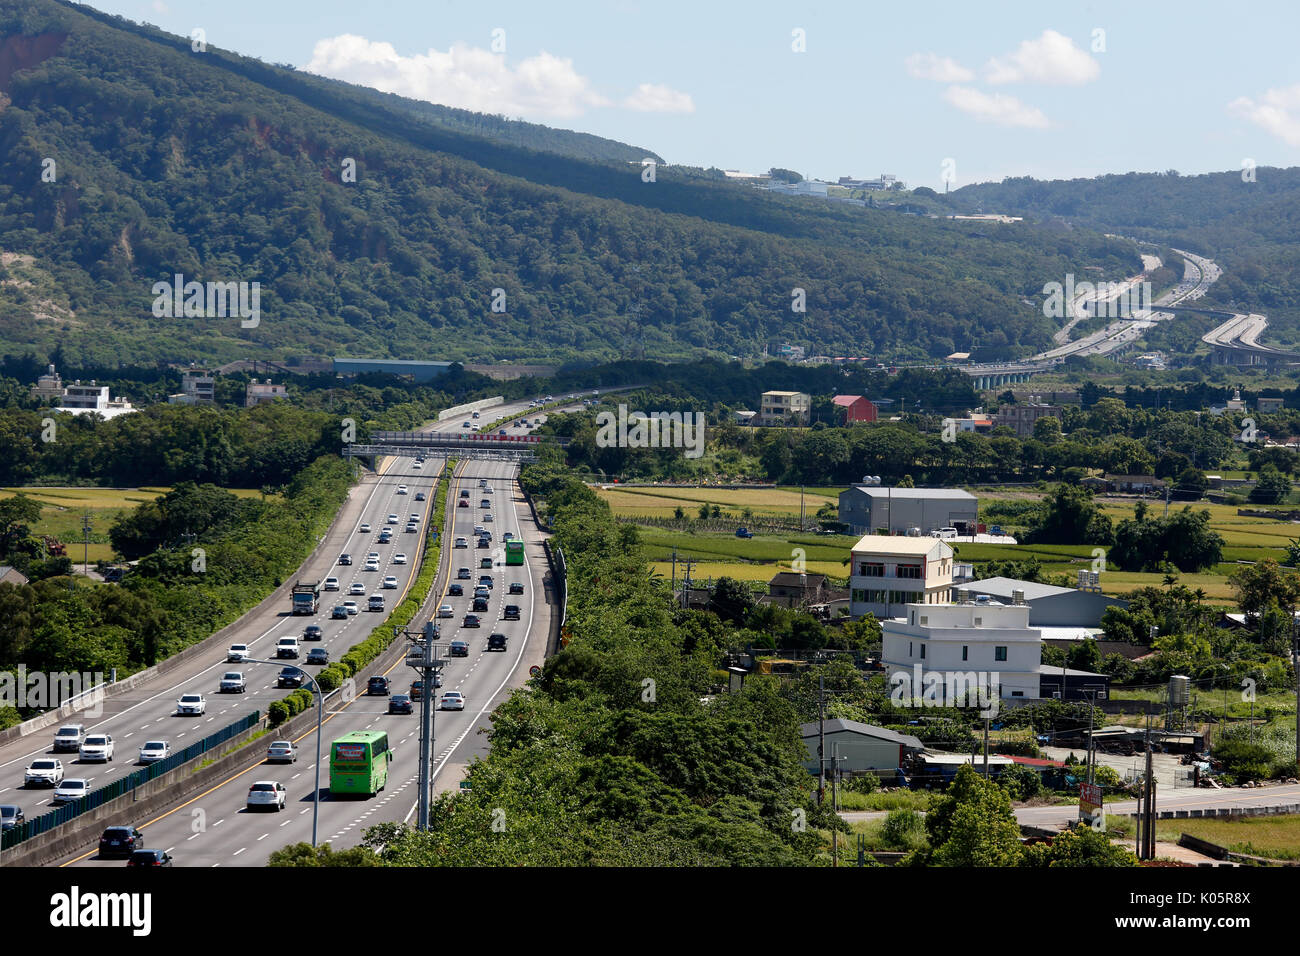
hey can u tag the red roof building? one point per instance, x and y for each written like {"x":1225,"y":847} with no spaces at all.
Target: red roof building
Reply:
{"x":856,"y":408}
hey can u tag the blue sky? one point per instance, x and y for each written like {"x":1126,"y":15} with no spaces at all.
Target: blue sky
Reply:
{"x":994,"y":89}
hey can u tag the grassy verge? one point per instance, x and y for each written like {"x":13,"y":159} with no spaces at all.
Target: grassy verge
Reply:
{"x":1276,"y":837}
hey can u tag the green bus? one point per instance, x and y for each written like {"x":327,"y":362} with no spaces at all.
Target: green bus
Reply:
{"x":514,"y":552}
{"x":359,"y":762}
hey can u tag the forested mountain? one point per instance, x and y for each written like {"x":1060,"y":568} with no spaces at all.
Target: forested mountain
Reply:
{"x":129,"y":158}
{"x":1248,"y":221}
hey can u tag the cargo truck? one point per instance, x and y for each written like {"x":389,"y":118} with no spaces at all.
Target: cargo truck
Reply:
{"x":305,"y":597}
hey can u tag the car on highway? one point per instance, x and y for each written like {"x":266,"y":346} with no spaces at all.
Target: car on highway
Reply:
{"x":390,"y":583}
{"x":69,"y":789}
{"x":401,"y":490}
{"x":480,"y":604}
{"x":419,"y":495}
{"x":154,"y":750}
{"x":69,"y":737}
{"x":372,"y":564}
{"x":375,"y":602}
{"x":485,"y":503}
{"x":462,"y":543}
{"x":508,"y":536}
{"x":516,"y":587}
{"x":488,"y":490}
{"x":286,"y":648}
{"x":45,"y":772}
{"x":289,"y":677}
{"x":455,"y":590}
{"x":149,"y":858}
{"x":452,"y":700}
{"x":485,"y":581}
{"x":340,"y":611}
{"x":237,"y":653}
{"x":351,"y":607}
{"x":120,"y":841}
{"x":377,"y":686}
{"x":400,"y":704}
{"x":465,"y":424}
{"x":11,"y":815}
{"x":365,"y":527}
{"x":487,"y":518}
{"x":331,"y":584}
{"x":267,"y":793}
{"x":474,"y":415}
{"x":485,"y":542}
{"x":482,"y":591}
{"x":458,"y":648}
{"x":356,"y":587}
{"x":312,"y":632}
{"x":232,"y":682}
{"x":392,"y":519}
{"x":412,"y":527}
{"x":399,"y":558}
{"x":496,"y":642}
{"x":462,"y":503}
{"x":282,"y":751}
{"x":385,"y":536}
{"x":318,"y":655}
{"x":463,"y":574}
{"x":345,"y":559}
{"x":511,"y":612}
{"x":485,"y":563}
{"x":446,"y":610}
{"x":464,"y":492}
{"x":96,"y":747}
{"x":191,"y":705}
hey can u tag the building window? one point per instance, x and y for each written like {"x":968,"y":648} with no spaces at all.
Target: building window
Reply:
{"x":922,"y":652}
{"x":909,"y":649}
{"x":912,"y":571}
{"x":871,"y":569}
{"x":1017,"y":693}
{"x":1000,"y":653}
{"x":979,"y":622}
{"x":965,"y":652}
{"x":924,"y":620}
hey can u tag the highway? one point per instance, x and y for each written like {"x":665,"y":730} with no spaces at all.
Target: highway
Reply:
{"x":147,"y":712}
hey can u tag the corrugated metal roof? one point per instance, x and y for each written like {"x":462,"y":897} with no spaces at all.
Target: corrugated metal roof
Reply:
{"x":867,"y":730}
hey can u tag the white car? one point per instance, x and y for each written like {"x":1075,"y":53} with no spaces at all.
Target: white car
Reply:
{"x":73,"y":788}
{"x":399,"y":558}
{"x":282,"y":751}
{"x":392,"y":519}
{"x":237,"y":653}
{"x":414,"y":518}
{"x":418,"y":466}
{"x":365,"y":527}
{"x":371,"y":565}
{"x":232,"y":682}
{"x":401,"y":489}
{"x":462,"y":543}
{"x":445,"y":610}
{"x":191,"y":705}
{"x":487,"y":491}
{"x":155,"y":750}
{"x":46,"y":772}
{"x":267,"y":793}
{"x":331,"y":584}
{"x":96,"y":747}
{"x":453,"y":700}
{"x":390,"y":582}
{"x":351,"y":607}
{"x":286,"y":648}
{"x":487,"y":518}
{"x":356,"y":587}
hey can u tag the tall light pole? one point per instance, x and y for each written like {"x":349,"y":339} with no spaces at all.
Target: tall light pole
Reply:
{"x":320,"y":712}
{"x":422,"y":656}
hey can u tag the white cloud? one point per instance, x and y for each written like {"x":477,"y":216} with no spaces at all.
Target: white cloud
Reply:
{"x":464,"y":77}
{"x":995,"y":108}
{"x":1052,"y":58}
{"x":160,"y":7}
{"x":657,"y":98}
{"x":1278,"y":112}
{"x":941,"y":69}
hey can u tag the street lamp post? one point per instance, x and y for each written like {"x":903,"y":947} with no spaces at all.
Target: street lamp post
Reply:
{"x":422,"y":656}
{"x":320,"y":712}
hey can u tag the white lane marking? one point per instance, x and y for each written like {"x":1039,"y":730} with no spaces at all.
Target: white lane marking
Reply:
{"x":239,"y":851}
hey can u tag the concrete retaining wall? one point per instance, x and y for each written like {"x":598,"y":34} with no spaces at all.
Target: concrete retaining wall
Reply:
{"x":482,"y":403}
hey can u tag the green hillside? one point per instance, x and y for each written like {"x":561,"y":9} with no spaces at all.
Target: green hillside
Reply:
{"x":223,"y":168}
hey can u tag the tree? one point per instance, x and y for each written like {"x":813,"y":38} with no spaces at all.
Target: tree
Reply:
{"x":784,"y":175}
{"x":1271,"y":487}
{"x":972,"y":824}
{"x":1070,"y":516}
{"x":1048,"y":429}
{"x":1192,"y":484}
{"x":304,"y":854}
{"x":1080,"y":845}
{"x":1184,"y":539}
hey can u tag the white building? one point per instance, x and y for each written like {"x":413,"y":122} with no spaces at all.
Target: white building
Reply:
{"x":887,"y":573}
{"x":976,"y":643}
{"x":48,"y":386}
{"x":198,"y":387}
{"x":87,"y":399}
{"x":259,"y":393}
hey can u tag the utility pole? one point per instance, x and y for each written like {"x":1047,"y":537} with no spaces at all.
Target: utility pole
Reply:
{"x":85,"y":534}
{"x":422,"y":656}
{"x":821,"y":739}
{"x":986,"y":748}
{"x":835,"y":802}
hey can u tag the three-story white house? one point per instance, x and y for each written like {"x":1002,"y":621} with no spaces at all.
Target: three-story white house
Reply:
{"x":888,"y":572}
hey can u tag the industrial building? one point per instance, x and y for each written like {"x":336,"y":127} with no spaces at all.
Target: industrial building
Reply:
{"x":1049,"y":605}
{"x":416,"y":371}
{"x":853,"y":747}
{"x":870,"y":508}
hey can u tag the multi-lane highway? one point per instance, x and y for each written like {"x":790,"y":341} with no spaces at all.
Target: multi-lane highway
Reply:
{"x":148,"y":711}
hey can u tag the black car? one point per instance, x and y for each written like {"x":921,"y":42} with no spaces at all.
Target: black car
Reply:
{"x":480,"y":604}
{"x":345,"y":559}
{"x":318,"y":655}
{"x":339,"y":612}
{"x":289,"y":677}
{"x":419,"y":496}
{"x":149,"y":858}
{"x":484,"y":543}
{"x":485,"y":562}
{"x":456,"y":590}
{"x":120,"y":841}
{"x":496,"y":642}
{"x":400,"y":704}
{"x":471,"y":620}
{"x":516,"y":587}
{"x":511,"y":612}
{"x":377,"y":686}
{"x":458,"y":648}
{"x":312,"y":632}
{"x":464,"y":492}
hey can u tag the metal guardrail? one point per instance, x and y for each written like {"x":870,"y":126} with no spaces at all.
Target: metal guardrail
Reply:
{"x":97,"y":798}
